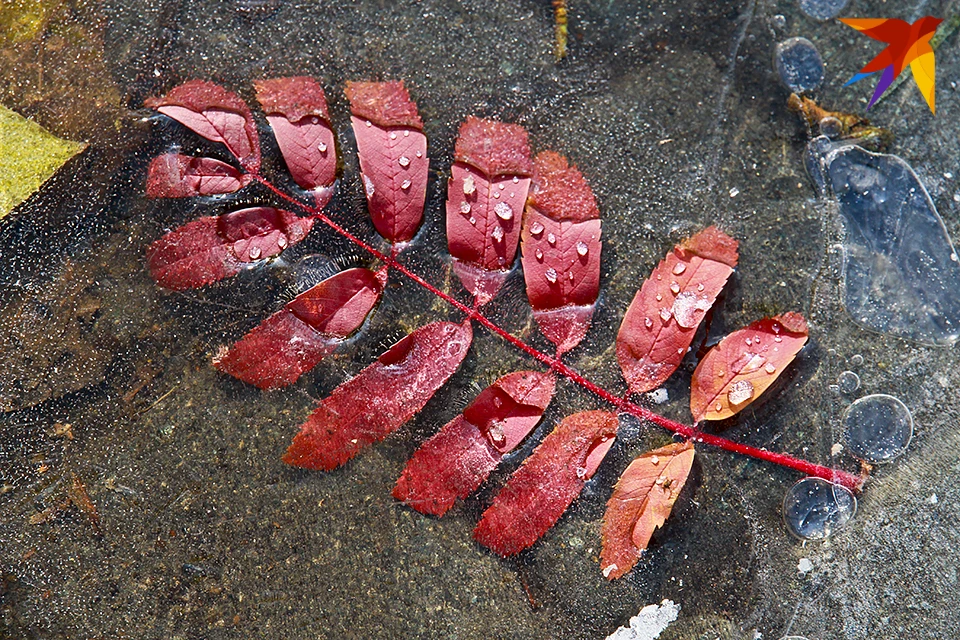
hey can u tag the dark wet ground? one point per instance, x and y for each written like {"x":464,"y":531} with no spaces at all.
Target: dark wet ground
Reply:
{"x":676,"y":117}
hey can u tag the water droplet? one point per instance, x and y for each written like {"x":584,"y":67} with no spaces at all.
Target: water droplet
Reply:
{"x":404,"y":161}
{"x":654,"y":460}
{"x":775,"y":327}
{"x":503,"y":211}
{"x":581,"y":472}
{"x":419,"y":154}
{"x":536,"y":229}
{"x":539,"y":254}
{"x":512,"y":194}
{"x":718,"y":406}
{"x":769,"y":368}
{"x":570,"y":273}
{"x":688,"y":307}
{"x":675,"y":288}
{"x":679,"y":268}
{"x":848,"y":382}
{"x":700,"y":287}
{"x":502,"y":186}
{"x":497,"y":234}
{"x":497,"y":437}
{"x":322,"y":148}
{"x":648,"y":323}
{"x":368,"y":186}
{"x":496,"y":194}
{"x":878,"y":428}
{"x":680,"y":351}
{"x":406,"y":134}
{"x":254,"y":253}
{"x":551,"y":275}
{"x":740,"y":391}
{"x":282,"y":242}
{"x":369,"y":124}
{"x":582,"y":249}
{"x":464,"y":207}
{"x":406,"y":185}
{"x":664,"y":314}
{"x":814,"y":509}
{"x":469,"y":186}
{"x":473,"y":220}
{"x":659,"y":297}
{"x":393,"y":135}
{"x":777,"y":339}
{"x":749,"y":341}
{"x":516,"y":179}
{"x":552,"y":239}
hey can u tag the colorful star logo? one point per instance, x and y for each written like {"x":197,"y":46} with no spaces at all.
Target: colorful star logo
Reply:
{"x":907,"y":44}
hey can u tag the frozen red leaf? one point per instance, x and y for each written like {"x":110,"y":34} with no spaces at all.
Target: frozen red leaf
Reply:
{"x":216,"y":114}
{"x":297,"y":111}
{"x":393,"y":156}
{"x":548,"y":482}
{"x":173,"y":175}
{"x":663,"y":318}
{"x":560,"y":244}
{"x":744,"y":364}
{"x":293,"y":340}
{"x":216,"y":247}
{"x":641,"y":503}
{"x":386,"y":104}
{"x":381,"y":398}
{"x":486,"y":193}
{"x":455,"y":462}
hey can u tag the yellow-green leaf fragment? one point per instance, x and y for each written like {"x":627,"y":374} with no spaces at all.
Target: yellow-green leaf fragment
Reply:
{"x":29,"y":155}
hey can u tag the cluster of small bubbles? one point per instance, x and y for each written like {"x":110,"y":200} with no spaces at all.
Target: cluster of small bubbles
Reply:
{"x":815,"y":509}
{"x":503,"y":211}
{"x":799,"y":65}
{"x":848,"y":382}
{"x":740,"y":391}
{"x":464,"y":207}
{"x":551,"y":275}
{"x":497,"y":234}
{"x":469,"y":186}
{"x":878,"y":428}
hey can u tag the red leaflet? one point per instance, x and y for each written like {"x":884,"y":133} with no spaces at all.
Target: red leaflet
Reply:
{"x":297,"y":111}
{"x":216,"y":114}
{"x":741,"y":367}
{"x":216,"y":247}
{"x":560,"y":244}
{"x":663,"y":318}
{"x":393,"y":156}
{"x":293,"y":340}
{"x":485,"y":196}
{"x":173,"y":175}
{"x":382,"y":397}
{"x":641,"y":503}
{"x":548,"y":482}
{"x":455,"y":462}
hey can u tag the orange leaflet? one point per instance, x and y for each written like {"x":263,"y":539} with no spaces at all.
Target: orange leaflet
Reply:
{"x":663,"y":318}
{"x":560,"y":243}
{"x":741,"y":367}
{"x":641,"y":502}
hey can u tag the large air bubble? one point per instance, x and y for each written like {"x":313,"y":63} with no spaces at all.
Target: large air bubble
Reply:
{"x":878,"y":428}
{"x":814,"y":509}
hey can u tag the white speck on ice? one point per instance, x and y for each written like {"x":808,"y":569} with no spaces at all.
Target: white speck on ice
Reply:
{"x":658,"y":396}
{"x":649,"y":623}
{"x":933,"y":499}
{"x":734,"y":192}
{"x":804,"y":566}
{"x":836,"y":449}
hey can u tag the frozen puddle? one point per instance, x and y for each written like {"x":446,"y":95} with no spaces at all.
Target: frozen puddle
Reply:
{"x":900,"y":270}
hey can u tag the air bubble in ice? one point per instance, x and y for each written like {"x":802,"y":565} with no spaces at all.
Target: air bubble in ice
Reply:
{"x":848,"y":382}
{"x":814,"y":509}
{"x":898,"y":275}
{"x":799,"y":65}
{"x":822,"y":9}
{"x":878,"y":428}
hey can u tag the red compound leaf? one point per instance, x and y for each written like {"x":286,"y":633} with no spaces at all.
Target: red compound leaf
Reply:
{"x":216,"y":247}
{"x":548,"y":482}
{"x":380,"y":398}
{"x":663,"y":318}
{"x":297,"y":111}
{"x":560,"y":244}
{"x":455,"y":462}
{"x":173,"y":175}
{"x":293,"y":340}
{"x":641,"y":503}
{"x":393,"y":156}
{"x":216,"y":114}
{"x":485,"y":196}
{"x":744,"y":364}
